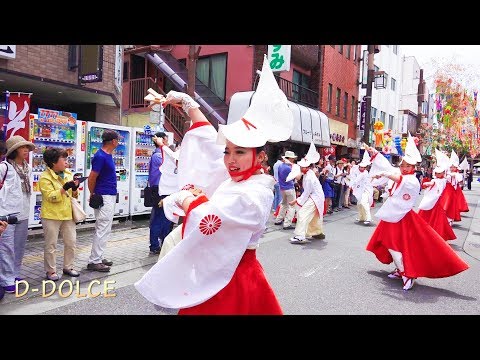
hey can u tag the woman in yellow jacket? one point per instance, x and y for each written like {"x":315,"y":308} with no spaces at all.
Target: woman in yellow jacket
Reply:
{"x":56,"y":212}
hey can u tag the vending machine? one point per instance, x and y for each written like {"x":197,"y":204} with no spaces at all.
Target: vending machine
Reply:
{"x":143,"y":148}
{"x":51,"y":128}
{"x":121,"y":158}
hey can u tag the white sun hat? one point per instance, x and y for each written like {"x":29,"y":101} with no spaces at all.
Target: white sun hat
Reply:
{"x":365,"y":160}
{"x":443,"y":161}
{"x":454,"y":160}
{"x":312,"y":156}
{"x":412,"y":155}
{"x":267,"y":119}
{"x":289,"y":155}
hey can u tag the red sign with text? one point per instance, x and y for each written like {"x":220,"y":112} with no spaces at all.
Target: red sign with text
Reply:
{"x":17,"y":121}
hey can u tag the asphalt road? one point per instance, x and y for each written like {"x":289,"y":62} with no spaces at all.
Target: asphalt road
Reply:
{"x":335,"y":276}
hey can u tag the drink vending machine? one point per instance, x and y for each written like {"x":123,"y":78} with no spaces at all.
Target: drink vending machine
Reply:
{"x":51,"y":128}
{"x":143,"y":148}
{"x":121,"y":158}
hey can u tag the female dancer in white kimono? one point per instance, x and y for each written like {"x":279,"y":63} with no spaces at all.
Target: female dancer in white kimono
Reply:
{"x":213,"y":269}
{"x":402,"y":236}
{"x":310,"y":202}
{"x":431,"y":206}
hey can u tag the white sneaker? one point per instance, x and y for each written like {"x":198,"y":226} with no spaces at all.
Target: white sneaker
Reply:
{"x":366,"y":222}
{"x":297,"y":240}
{"x":357,"y":220}
{"x":395,"y":274}
{"x":407,"y":282}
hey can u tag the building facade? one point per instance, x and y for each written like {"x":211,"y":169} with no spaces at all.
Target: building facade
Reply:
{"x":84,"y":79}
{"x":386,"y":101}
{"x":339,"y":95}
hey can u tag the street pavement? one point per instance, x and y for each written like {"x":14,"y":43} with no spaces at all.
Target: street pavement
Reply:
{"x":128,"y":249}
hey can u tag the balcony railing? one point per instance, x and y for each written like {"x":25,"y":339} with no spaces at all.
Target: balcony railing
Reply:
{"x":138,"y":90}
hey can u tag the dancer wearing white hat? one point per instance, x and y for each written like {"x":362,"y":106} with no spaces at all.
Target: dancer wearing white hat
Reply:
{"x":402,"y":236}
{"x":362,"y":189}
{"x":431,"y":207}
{"x":311,"y":202}
{"x":456,"y":179}
{"x":213,"y":269}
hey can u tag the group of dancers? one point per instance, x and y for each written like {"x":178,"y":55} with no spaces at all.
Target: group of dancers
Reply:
{"x":225,"y":200}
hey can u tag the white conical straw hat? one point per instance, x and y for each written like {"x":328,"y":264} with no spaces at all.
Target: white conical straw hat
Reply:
{"x":365,"y":160}
{"x":412,"y":155}
{"x":454,"y":160}
{"x":443,"y":161}
{"x":311,"y":157}
{"x":464,"y":164}
{"x":267,"y":119}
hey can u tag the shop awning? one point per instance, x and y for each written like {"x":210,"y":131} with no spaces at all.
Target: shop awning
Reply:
{"x":308,"y":124}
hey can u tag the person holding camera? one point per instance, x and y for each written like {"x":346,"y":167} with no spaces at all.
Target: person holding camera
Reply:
{"x":57,"y":185}
{"x":102,"y":184}
{"x":15,"y":176}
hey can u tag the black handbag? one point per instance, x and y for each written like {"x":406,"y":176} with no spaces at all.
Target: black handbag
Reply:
{"x":96,"y":201}
{"x":147,"y":196}
{"x":150,"y":196}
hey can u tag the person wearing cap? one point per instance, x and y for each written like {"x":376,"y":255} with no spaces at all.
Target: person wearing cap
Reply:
{"x":311,"y":201}
{"x":402,"y":236}
{"x":102,"y":181}
{"x":160,"y":226}
{"x":431,"y":206}
{"x":16,"y":175}
{"x":362,"y":189}
{"x":214,"y":269}
{"x":286,"y":213}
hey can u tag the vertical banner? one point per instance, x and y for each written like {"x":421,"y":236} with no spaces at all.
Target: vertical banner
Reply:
{"x":279,"y":57}
{"x":18,"y":115}
{"x":363,"y":113}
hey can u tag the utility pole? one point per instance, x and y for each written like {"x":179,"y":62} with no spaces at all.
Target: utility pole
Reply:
{"x":368,"y":97}
{"x":420,"y":99}
{"x":192,"y":71}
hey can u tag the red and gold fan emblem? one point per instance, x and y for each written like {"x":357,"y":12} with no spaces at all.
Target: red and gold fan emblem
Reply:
{"x":210,"y":224}
{"x":406,"y":197}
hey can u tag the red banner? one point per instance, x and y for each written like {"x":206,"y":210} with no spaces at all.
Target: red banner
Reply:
{"x":329,"y":151}
{"x":17,"y":121}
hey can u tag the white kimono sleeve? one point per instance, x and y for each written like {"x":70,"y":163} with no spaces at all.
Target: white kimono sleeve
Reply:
{"x":201,"y":160}
{"x":215,"y":238}
{"x":381,"y":164}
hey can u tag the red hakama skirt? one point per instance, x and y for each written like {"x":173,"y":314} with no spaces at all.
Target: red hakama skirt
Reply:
{"x":424,"y":252}
{"x":247,"y":293}
{"x":436,"y":217}
{"x":449,"y":202}
{"x":461,"y":201}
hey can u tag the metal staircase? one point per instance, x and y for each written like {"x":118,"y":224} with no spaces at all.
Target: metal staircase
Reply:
{"x":214,"y":108}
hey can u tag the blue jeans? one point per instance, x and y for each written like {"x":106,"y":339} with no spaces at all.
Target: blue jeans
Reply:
{"x":12,"y":249}
{"x":160,"y":227}
{"x":277,"y":197}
